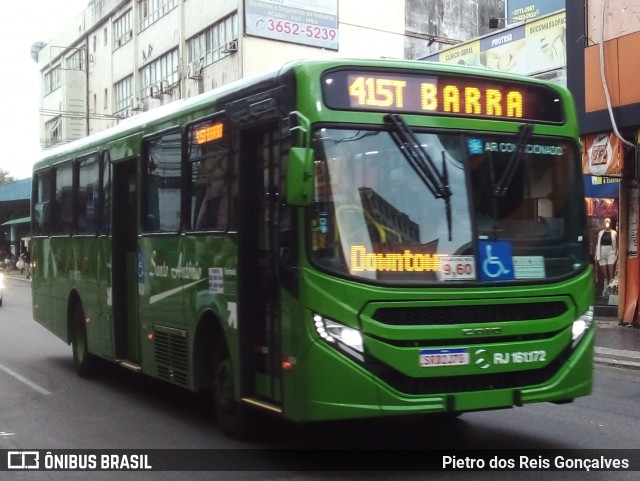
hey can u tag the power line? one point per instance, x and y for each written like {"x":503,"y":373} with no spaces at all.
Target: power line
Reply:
{"x":422,"y":36}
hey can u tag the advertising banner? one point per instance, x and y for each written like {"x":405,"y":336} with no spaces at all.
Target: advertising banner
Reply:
{"x":307,"y":22}
{"x":530,"y":48}
{"x":464,"y":54}
{"x":602,"y":155}
{"x":632,"y":247}
{"x":524,"y":10}
{"x":601,"y":187}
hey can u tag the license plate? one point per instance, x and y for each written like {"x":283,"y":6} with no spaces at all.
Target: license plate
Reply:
{"x":444,"y":357}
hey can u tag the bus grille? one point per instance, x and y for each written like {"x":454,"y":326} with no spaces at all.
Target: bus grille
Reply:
{"x":171,"y":355}
{"x":468,"y":314}
{"x":475,"y":382}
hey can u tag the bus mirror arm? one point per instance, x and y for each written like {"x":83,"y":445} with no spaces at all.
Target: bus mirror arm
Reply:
{"x":299,"y":176}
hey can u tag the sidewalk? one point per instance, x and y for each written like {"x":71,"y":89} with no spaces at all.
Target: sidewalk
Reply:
{"x":615,"y":345}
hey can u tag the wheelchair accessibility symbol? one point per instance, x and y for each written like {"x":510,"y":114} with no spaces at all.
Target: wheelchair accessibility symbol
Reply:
{"x":496,"y":261}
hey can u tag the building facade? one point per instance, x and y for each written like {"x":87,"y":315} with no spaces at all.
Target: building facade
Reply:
{"x":121,"y":57}
{"x":603,"y":39}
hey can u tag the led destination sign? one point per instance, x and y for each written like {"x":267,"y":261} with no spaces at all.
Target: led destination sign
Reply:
{"x":209,"y":133}
{"x":441,"y":94}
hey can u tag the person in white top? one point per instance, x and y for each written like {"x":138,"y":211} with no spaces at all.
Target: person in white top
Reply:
{"x":606,"y":254}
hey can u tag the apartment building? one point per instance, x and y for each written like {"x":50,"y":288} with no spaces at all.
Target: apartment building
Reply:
{"x":119,"y":57}
{"x":122,"y":57}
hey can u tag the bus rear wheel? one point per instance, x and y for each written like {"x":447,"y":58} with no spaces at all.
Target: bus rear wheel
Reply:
{"x":233,"y":418}
{"x":84,"y":361}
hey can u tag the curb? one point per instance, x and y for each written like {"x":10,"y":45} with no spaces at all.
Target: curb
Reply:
{"x":617,"y":358}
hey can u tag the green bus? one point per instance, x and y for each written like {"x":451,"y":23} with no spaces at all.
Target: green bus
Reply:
{"x":337,"y":239}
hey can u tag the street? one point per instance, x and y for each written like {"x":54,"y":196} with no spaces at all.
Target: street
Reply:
{"x":45,"y":405}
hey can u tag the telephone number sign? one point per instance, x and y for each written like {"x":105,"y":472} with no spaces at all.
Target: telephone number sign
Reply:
{"x":305,"y":22}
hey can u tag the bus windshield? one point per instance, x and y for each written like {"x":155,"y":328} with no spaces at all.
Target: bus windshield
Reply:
{"x":498,"y":207}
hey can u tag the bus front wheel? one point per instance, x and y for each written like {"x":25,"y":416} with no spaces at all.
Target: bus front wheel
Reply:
{"x":83,"y":360}
{"x":232,"y":417}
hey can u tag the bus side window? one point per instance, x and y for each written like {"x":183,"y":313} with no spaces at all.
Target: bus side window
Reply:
{"x":161,"y":184}
{"x":209,"y":165}
{"x":87,"y":196}
{"x":211,"y":200}
{"x":42,"y":196}
{"x":104,"y":196}
{"x":63,"y":212}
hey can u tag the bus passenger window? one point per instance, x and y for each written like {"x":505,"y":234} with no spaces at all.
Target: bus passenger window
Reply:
{"x":161,"y":184}
{"x":63,"y":212}
{"x":88,"y":196}
{"x":209,"y":186}
{"x":42,"y":197}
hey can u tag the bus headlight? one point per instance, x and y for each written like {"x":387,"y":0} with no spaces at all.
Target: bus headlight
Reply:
{"x":345,"y":338}
{"x":581,"y":325}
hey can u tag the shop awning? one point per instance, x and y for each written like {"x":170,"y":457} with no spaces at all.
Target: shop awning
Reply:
{"x":21,"y":220}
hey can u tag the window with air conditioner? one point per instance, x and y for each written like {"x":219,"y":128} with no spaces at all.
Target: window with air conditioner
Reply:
{"x":164,"y":69}
{"x":215,"y":42}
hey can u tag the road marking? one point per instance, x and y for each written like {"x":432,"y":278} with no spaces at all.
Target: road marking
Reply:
{"x":24,"y":380}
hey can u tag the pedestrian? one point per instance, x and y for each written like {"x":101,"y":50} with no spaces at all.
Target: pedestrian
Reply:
{"x":20,"y":264}
{"x":27,"y":261}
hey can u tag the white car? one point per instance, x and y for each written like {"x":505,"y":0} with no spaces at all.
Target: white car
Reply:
{"x":1,"y":286}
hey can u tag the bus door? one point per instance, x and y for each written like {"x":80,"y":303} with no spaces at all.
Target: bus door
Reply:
{"x":124,"y":262}
{"x":258,"y":300}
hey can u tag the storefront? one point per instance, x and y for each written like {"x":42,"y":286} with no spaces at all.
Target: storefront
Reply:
{"x":602,"y":166}
{"x":604,"y":83}
{"x":610,"y":169}
{"x":18,"y":235}
{"x":602,"y":196}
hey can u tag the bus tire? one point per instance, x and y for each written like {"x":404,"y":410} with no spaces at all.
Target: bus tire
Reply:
{"x":84,"y":361}
{"x":233,"y":418}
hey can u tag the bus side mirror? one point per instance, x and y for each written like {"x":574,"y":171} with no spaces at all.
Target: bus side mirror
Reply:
{"x":299,"y":180}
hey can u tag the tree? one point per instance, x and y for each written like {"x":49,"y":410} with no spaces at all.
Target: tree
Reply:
{"x":5,"y":177}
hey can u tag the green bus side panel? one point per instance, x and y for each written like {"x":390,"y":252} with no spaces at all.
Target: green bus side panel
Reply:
{"x":92,"y":281}
{"x":132,"y":322}
{"x":79,"y":265}
{"x":41,"y":288}
{"x":182,"y":280}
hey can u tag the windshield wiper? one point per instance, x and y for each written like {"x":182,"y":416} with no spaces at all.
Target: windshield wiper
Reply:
{"x":422,"y":163}
{"x":502,"y":186}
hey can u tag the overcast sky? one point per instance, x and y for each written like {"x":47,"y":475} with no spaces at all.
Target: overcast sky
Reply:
{"x":22,"y":23}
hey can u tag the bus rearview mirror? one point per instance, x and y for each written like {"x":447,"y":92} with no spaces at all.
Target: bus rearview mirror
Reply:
{"x":299,"y":180}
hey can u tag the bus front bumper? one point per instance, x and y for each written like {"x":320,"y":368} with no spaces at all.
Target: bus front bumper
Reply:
{"x":342,"y":389}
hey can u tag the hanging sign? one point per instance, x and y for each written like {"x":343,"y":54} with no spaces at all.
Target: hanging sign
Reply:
{"x":602,"y":155}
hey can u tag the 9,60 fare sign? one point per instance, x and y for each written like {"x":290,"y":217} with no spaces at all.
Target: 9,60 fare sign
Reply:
{"x":458,"y":268}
